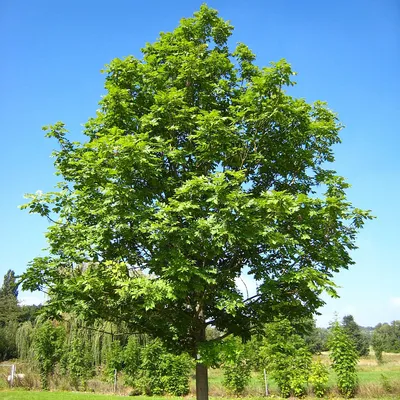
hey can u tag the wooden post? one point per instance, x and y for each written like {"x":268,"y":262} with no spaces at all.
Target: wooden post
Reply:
{"x":12,"y":375}
{"x":115,"y":381}
{"x":266,"y":383}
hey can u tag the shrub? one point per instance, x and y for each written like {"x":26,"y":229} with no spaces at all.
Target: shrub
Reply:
{"x":154,"y":371}
{"x":319,"y":378}
{"x":48,"y":344}
{"x":386,"y":384}
{"x":344,"y":358}
{"x":287,"y":358}
{"x":236,"y":366}
{"x":114,"y":359}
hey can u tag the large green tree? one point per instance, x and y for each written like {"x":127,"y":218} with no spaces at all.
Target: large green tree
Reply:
{"x":197,"y":168}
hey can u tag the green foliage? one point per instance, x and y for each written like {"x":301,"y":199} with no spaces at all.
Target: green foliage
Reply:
{"x":9,"y":287}
{"x":114,"y":359}
{"x":77,"y":361}
{"x":360,"y":340}
{"x":132,"y":360}
{"x":197,"y":165}
{"x":8,"y":346}
{"x":344,"y":359}
{"x":176,"y":370}
{"x":378,"y":346}
{"x":48,"y":345}
{"x":287,"y":358}
{"x":316,"y":338}
{"x":161,"y":372}
{"x":319,"y":378}
{"x":10,"y":315}
{"x":24,"y":341}
{"x":386,"y":384}
{"x":387,"y":337}
{"x":236,"y":366}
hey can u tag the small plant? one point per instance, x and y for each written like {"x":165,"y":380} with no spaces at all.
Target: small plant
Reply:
{"x":386,"y":384}
{"x":377,"y":345}
{"x":319,"y":378}
{"x":344,"y":358}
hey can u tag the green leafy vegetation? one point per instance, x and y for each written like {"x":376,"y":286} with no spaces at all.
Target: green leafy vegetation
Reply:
{"x":197,"y":167}
{"x":319,"y":377}
{"x":286,"y":358}
{"x":344,"y":356}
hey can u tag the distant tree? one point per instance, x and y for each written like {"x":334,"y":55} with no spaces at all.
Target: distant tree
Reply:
{"x":10,"y":286}
{"x":28,"y":312}
{"x":197,"y":167}
{"x":361,"y":341}
{"x":316,"y":338}
{"x":8,"y":346}
{"x":9,"y":312}
{"x":377,"y":342}
{"x":388,"y":336}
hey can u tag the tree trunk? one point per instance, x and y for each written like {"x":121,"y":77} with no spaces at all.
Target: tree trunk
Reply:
{"x":201,"y":382}
{"x":201,"y":369}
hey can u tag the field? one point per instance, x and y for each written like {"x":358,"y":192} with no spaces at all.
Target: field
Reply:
{"x":376,"y":381}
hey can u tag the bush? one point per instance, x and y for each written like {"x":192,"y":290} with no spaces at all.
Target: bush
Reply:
{"x":344,"y":358}
{"x":236,"y":366}
{"x":114,"y":360}
{"x":319,"y":378}
{"x":78,"y":362}
{"x":287,"y":358}
{"x":48,"y":344}
{"x":154,"y":371}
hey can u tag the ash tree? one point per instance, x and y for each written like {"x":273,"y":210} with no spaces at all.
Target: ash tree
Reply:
{"x":197,"y":168}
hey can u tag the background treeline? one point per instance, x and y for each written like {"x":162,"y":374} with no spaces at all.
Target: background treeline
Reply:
{"x":12,"y":315}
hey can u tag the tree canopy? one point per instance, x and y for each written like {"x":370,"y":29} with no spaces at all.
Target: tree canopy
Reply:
{"x":197,"y":168}
{"x":360,"y":339}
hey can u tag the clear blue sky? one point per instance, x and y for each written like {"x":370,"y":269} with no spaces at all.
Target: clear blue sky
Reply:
{"x":345,"y":52}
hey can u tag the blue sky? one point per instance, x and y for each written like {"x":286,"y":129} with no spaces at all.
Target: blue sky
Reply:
{"x":345,"y":52}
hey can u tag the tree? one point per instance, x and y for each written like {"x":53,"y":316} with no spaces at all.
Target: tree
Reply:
{"x":9,"y":310}
{"x":316,"y":339}
{"x":286,"y":358}
{"x":9,"y":287}
{"x":354,"y":332}
{"x":387,"y":337}
{"x":344,"y":356}
{"x":9,"y":313}
{"x":197,"y":166}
